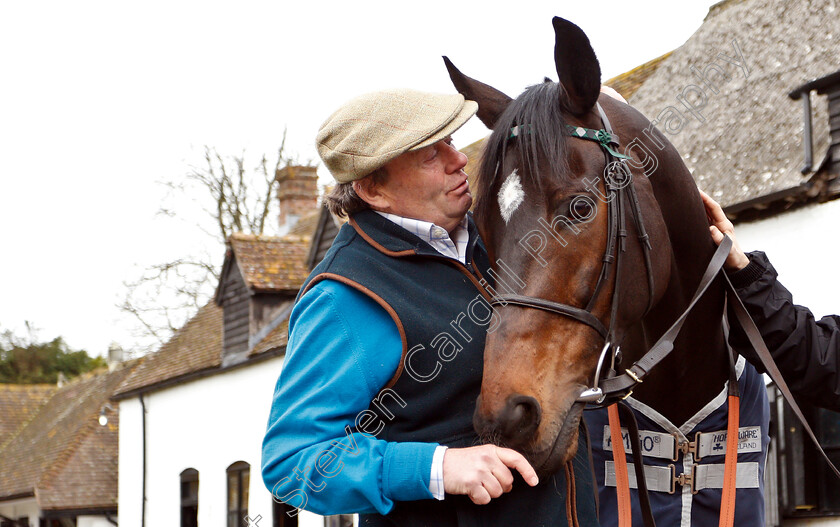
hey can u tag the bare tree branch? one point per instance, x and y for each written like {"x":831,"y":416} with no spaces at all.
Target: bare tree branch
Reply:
{"x":235,"y":199}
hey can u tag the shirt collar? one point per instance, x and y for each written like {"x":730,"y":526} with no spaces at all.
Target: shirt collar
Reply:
{"x":454,"y":246}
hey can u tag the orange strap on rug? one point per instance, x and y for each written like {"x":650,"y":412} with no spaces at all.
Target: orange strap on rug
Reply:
{"x":727,"y":499}
{"x":622,"y":481}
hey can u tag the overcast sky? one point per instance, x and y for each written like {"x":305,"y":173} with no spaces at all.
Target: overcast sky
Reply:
{"x":100,"y":101}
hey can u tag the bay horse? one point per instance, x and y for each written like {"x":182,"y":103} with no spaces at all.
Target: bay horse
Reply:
{"x":599,"y":239}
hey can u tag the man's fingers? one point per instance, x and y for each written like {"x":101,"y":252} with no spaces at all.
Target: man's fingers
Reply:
{"x":480,"y":496}
{"x":514,"y":459}
{"x":713,"y":208}
{"x":492,"y":486}
{"x":505,"y":478}
{"x":717,"y":236}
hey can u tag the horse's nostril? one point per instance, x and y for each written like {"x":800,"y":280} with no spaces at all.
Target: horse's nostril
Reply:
{"x":520,"y":418}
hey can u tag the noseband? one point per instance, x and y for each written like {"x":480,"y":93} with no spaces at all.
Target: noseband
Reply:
{"x":620,"y":193}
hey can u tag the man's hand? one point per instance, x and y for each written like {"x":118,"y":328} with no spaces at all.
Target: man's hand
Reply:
{"x":482,"y":473}
{"x":719,"y":225}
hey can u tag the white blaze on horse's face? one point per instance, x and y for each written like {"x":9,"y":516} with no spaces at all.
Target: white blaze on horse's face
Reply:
{"x":511,"y":195}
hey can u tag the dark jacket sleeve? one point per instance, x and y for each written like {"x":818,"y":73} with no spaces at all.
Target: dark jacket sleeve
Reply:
{"x":807,"y":351}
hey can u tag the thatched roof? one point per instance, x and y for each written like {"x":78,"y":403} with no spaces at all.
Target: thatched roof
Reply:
{"x":629,"y":82}
{"x":750,"y":144}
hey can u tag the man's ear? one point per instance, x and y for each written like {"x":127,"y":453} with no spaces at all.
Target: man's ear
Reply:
{"x":371,"y":193}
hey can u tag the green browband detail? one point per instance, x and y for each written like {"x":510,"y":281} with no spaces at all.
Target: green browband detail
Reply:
{"x":602,"y":137}
{"x":516,"y":131}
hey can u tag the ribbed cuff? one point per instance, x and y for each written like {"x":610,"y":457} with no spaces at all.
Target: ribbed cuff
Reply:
{"x":407,"y":471}
{"x":749,"y":274}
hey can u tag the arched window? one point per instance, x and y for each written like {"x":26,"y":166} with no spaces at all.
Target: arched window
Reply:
{"x":284,"y":515}
{"x":189,"y":498}
{"x":238,"y":479}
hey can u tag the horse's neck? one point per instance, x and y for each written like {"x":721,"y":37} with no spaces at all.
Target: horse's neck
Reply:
{"x":697,"y":368}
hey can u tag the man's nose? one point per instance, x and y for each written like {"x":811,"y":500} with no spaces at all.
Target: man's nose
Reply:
{"x":457,"y":160}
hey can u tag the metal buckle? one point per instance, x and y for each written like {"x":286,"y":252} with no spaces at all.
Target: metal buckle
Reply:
{"x":683,"y":479}
{"x":687,"y":447}
{"x":633,"y":376}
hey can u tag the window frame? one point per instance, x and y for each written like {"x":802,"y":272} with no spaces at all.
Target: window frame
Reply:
{"x":241,"y":471}
{"x":188,"y":476}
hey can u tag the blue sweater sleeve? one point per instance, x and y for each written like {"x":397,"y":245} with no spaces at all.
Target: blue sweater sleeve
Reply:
{"x":343,"y":348}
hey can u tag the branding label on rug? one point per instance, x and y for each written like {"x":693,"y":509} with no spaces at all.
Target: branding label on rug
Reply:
{"x":654,"y":444}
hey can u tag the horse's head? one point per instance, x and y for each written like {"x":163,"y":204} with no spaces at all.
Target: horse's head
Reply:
{"x":542,"y":209}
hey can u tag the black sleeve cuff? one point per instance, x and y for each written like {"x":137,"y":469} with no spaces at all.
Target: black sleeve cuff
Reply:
{"x":749,"y":274}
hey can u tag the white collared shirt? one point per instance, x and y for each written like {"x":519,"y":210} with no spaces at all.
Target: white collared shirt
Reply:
{"x":454,"y":247}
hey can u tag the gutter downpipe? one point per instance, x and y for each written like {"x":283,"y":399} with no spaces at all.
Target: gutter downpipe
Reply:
{"x":807,"y":141}
{"x":143,"y":514}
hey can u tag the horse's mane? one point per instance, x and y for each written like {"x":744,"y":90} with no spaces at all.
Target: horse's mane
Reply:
{"x":539,"y":111}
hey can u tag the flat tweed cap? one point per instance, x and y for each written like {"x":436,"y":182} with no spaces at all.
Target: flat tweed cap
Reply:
{"x":371,"y":130}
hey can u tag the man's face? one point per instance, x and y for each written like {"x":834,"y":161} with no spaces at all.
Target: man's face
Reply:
{"x":428,"y":184}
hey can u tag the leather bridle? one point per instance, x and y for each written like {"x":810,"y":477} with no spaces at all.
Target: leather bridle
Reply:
{"x":620,"y":193}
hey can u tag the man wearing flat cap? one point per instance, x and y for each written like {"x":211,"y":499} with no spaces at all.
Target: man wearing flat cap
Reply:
{"x":372,"y":412}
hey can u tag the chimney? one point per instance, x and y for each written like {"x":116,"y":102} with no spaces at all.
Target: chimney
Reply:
{"x":297,"y":191}
{"x":115,"y":356}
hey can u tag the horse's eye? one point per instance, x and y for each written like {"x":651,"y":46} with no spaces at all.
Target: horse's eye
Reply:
{"x":582,"y":208}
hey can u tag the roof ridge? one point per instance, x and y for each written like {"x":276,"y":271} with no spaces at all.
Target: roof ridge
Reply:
{"x":247,"y":236}
{"x":23,"y":386}
{"x":720,"y":6}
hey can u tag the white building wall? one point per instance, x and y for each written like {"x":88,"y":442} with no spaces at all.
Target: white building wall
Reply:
{"x":25,"y":508}
{"x":95,"y":521}
{"x":207,"y":425}
{"x":804,"y":247}
{"x":130,"y":473}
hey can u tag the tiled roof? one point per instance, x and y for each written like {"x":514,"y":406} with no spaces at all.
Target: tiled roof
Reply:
{"x":62,"y":455}
{"x":89,"y":478}
{"x":195,"y":347}
{"x":750,"y":144}
{"x":18,"y":404}
{"x":271,"y":264}
{"x":628,"y":82}
{"x":277,"y":338}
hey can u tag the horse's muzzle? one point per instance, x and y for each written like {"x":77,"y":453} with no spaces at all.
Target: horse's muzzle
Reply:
{"x":515,"y":425}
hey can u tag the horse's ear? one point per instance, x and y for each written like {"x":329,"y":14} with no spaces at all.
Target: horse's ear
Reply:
{"x":577,"y":66}
{"x":491,"y":102}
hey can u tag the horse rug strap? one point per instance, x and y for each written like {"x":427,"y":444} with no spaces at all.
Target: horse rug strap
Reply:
{"x":700,"y":477}
{"x":697,"y":496}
